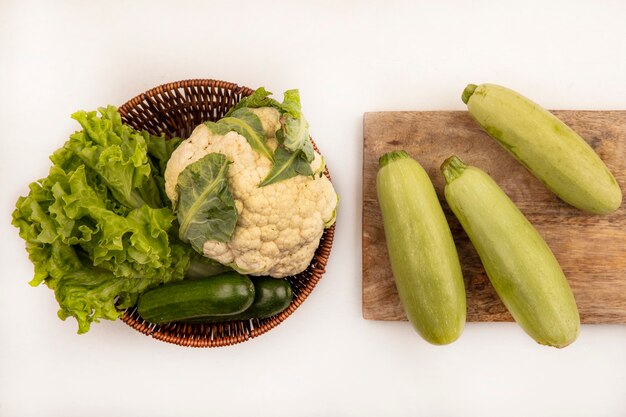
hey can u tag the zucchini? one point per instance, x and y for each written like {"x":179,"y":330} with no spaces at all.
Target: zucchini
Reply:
{"x":202,"y":267}
{"x":224,"y":294}
{"x":272,"y":296}
{"x":423,"y":257}
{"x":550,"y":149}
{"x":518,"y":262}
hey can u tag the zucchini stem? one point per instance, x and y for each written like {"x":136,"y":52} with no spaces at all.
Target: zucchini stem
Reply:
{"x":391,"y":156}
{"x":467,"y":93}
{"x":452,"y":168}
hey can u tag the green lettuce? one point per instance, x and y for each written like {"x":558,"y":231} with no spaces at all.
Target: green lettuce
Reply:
{"x":118,"y":154}
{"x":98,"y":229}
{"x":159,"y":152}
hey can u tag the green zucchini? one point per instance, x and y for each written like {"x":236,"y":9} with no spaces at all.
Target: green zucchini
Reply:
{"x":272,"y":296}
{"x":550,"y":149}
{"x":224,"y":294}
{"x":423,"y":257}
{"x":518,"y":262}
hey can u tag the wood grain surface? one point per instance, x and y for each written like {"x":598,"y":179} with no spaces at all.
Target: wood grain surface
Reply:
{"x":591,"y":249}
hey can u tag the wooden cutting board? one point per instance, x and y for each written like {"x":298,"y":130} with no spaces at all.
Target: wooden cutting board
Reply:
{"x":591,"y":249}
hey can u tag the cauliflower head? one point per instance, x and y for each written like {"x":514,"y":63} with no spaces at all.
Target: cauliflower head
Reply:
{"x":279,"y":225}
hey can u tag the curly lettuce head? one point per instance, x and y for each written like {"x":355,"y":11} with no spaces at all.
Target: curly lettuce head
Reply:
{"x":97,"y":229}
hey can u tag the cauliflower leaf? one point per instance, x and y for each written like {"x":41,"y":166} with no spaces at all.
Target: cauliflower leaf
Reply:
{"x":287,"y":165}
{"x":206,"y":209}
{"x":260,"y":98}
{"x":291,"y":104}
{"x":294,"y":136}
{"x":294,"y":131}
{"x":295,"y":149}
{"x":248,"y":125}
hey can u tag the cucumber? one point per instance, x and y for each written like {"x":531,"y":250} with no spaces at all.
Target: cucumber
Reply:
{"x":551,"y":150}
{"x":224,"y":294}
{"x":518,"y":262}
{"x":272,"y":296}
{"x":423,"y":257}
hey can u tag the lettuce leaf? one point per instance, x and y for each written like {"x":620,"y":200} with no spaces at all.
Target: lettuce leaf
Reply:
{"x":96,"y":228}
{"x":159,"y":152}
{"x":206,"y":209}
{"x":118,"y":154}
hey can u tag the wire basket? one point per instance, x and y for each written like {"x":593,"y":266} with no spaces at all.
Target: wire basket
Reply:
{"x":175,"y":109}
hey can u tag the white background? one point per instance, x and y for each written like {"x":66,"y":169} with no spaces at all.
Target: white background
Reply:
{"x":346,"y":57}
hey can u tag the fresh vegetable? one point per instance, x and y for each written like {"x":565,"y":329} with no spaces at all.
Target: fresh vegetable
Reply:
{"x":97,"y":227}
{"x":258,"y":118}
{"x":293,"y":132}
{"x":519,"y":263}
{"x":282,"y":200}
{"x":271,"y":296}
{"x":206,"y":206}
{"x":221,"y":295}
{"x":203,"y":267}
{"x":550,"y":149}
{"x":423,"y":257}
